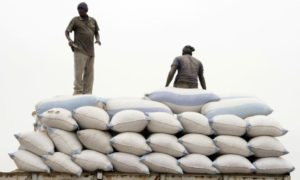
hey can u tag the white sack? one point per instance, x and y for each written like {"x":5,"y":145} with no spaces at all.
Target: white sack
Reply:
{"x":181,"y":99}
{"x":161,"y":122}
{"x":229,"y":125}
{"x":38,"y":125}
{"x":242,"y":107}
{"x":128,"y":163}
{"x":230,"y":163}
{"x":234,"y":96}
{"x":60,"y":162}
{"x":273,"y":165}
{"x":266,"y":146}
{"x":197,"y":163}
{"x":194,"y":122}
{"x":90,"y":160}
{"x":264,"y":126}
{"x":161,"y":163}
{"x":29,"y":162}
{"x":232,"y":145}
{"x":90,"y":117}
{"x":66,"y":142}
{"x":130,"y":142}
{"x":168,"y":144}
{"x":36,"y":142}
{"x":58,"y":118}
{"x":95,"y":140}
{"x":119,"y":104}
{"x":67,"y":102}
{"x":199,"y":144}
{"x":128,"y":121}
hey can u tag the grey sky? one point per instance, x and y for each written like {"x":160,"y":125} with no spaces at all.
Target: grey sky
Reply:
{"x":246,"y":47}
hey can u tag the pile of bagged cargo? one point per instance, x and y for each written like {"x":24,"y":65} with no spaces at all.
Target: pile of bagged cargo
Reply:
{"x":171,"y":130}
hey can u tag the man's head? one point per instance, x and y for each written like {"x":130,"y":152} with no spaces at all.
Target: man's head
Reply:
{"x":188,"y":50}
{"x":82,"y":9}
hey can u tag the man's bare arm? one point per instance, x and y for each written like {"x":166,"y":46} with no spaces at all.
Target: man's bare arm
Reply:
{"x":97,"y":36}
{"x":201,"y":78}
{"x":71,"y":42}
{"x":68,"y":36}
{"x":171,"y":75}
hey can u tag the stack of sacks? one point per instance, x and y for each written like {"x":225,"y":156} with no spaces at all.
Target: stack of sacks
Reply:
{"x":160,"y":150}
{"x":74,"y":135}
{"x":57,"y":145}
{"x":131,"y":144}
{"x":198,"y":143}
{"x":234,"y":119}
{"x":135,"y":120}
{"x":133,"y":135}
{"x":267,"y":149}
{"x":247,"y":117}
{"x":234,"y":149}
{"x":68,"y":103}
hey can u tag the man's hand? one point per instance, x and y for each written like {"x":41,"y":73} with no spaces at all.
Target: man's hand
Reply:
{"x":98,"y":42}
{"x":72,"y":44}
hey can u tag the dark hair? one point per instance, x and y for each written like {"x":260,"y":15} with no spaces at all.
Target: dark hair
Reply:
{"x":188,"y":50}
{"x":83,"y":6}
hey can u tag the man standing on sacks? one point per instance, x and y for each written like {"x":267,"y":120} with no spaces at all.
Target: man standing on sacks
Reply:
{"x":189,"y":69}
{"x":85,"y":29}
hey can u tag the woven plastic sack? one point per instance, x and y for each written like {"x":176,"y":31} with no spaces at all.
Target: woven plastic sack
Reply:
{"x":29,"y":162}
{"x":264,"y":126}
{"x":197,"y":163}
{"x":199,"y":144}
{"x":129,"y":121}
{"x":266,"y":146}
{"x":229,"y":125}
{"x":194,"y":122}
{"x":161,"y":163}
{"x":90,"y":117}
{"x":90,"y":160}
{"x":273,"y":165}
{"x":163,"y":123}
{"x":95,"y":140}
{"x":67,"y":102}
{"x":130,"y":142}
{"x":58,"y":118}
{"x":60,"y":162}
{"x":66,"y":142}
{"x":146,"y":106}
{"x":166,"y":143}
{"x":242,"y":107}
{"x":230,"y":163}
{"x":181,"y":100}
{"x":128,"y":163}
{"x":36,"y":142}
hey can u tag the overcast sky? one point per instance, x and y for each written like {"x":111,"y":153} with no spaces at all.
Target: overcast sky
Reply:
{"x":246,"y":47}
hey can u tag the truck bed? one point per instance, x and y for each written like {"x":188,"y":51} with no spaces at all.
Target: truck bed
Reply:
{"x":17,"y":175}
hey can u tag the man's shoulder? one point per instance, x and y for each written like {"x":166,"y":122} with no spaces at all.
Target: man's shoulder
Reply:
{"x":178,"y":57}
{"x":92,"y":19}
{"x":195,"y":59}
{"x":76,"y":18}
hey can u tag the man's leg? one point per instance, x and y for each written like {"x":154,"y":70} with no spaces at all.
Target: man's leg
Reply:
{"x":79,"y":64}
{"x":88,"y":78}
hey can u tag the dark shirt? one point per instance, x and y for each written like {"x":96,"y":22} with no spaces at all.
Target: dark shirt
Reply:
{"x":84,"y":32}
{"x":188,"y":69}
